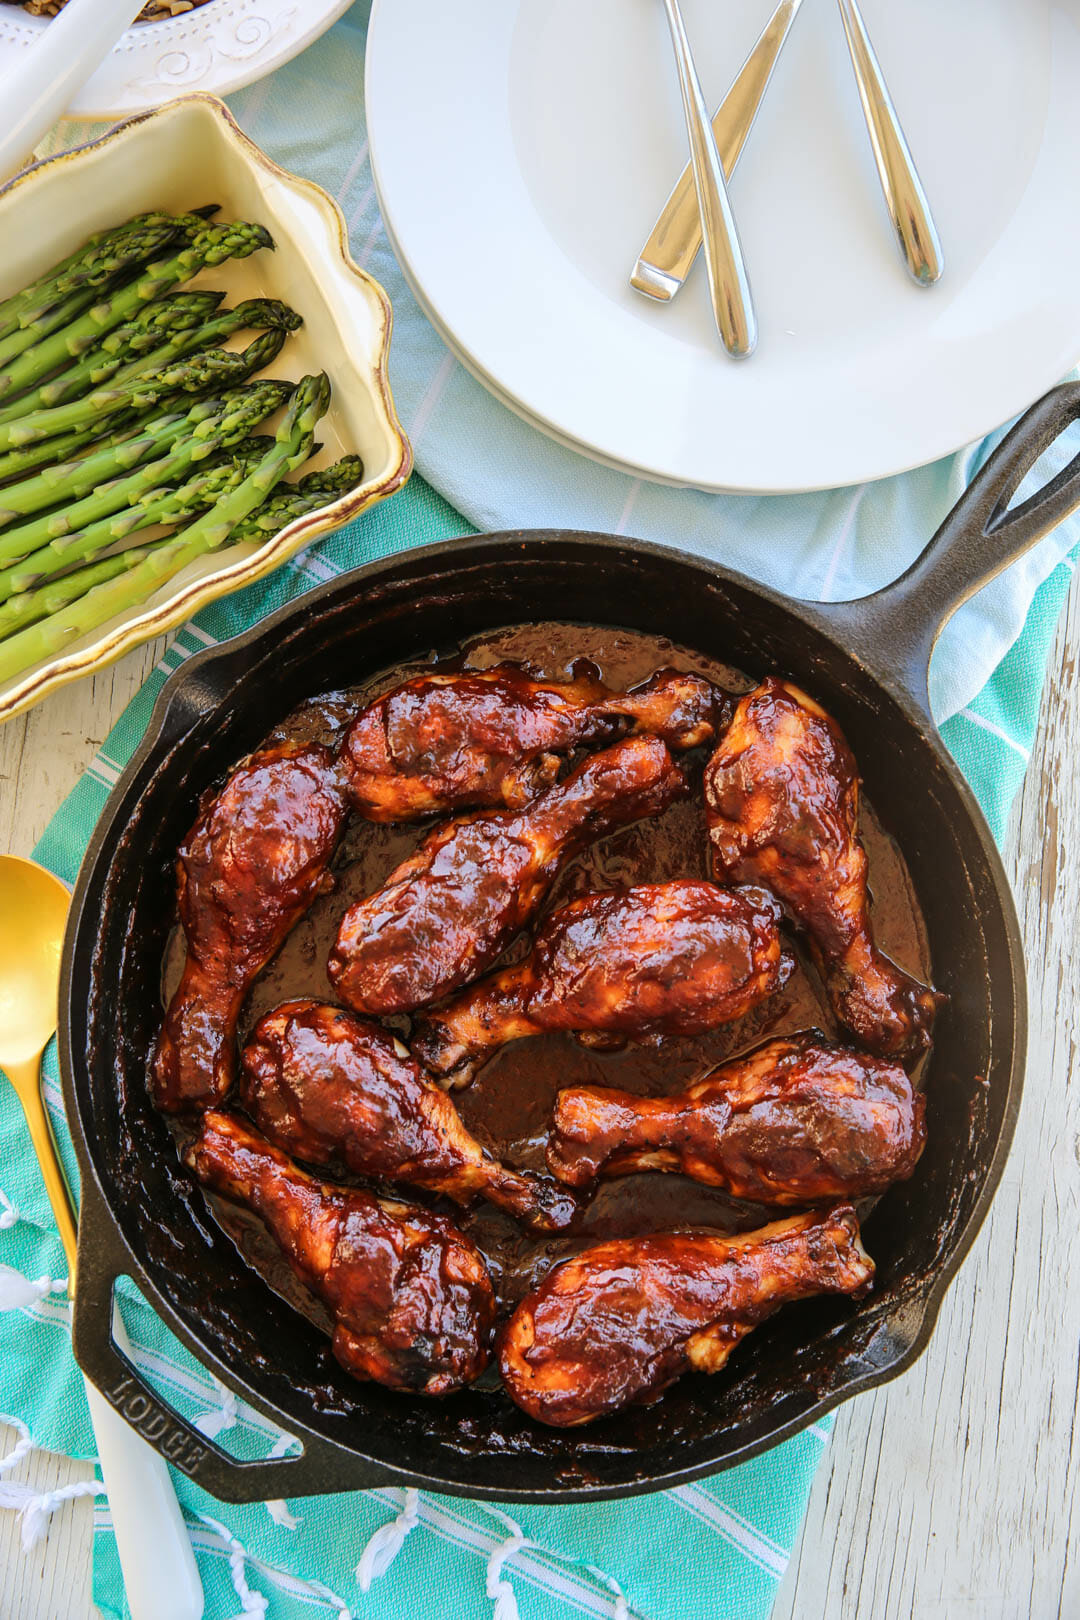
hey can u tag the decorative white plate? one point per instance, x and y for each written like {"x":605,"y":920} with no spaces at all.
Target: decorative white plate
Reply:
{"x":522,"y":149}
{"x":218,"y":47}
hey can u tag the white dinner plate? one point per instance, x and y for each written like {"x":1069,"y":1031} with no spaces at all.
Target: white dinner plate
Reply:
{"x":522,"y":149}
{"x":218,"y":47}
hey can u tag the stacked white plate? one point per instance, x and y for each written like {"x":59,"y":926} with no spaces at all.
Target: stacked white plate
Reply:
{"x":523,"y":148}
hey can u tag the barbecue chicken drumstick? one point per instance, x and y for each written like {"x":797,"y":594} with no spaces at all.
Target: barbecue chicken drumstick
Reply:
{"x":330,"y":1088}
{"x":782,"y":793}
{"x":798,"y":1121}
{"x":448,"y":911}
{"x":660,"y":959}
{"x":410,"y":1296}
{"x":494,"y":736}
{"x":618,"y":1323}
{"x":252,"y":864}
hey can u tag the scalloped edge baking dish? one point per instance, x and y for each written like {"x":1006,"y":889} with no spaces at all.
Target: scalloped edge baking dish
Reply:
{"x":191,"y":152}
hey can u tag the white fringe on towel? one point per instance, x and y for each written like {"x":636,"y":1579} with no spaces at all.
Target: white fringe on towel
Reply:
{"x":17,"y":1291}
{"x":35,"y":1508}
{"x":499,"y":1590}
{"x":620,"y":1609}
{"x":254,"y":1602}
{"x":223,"y":1417}
{"x":25,"y":1443}
{"x":250,"y":1602}
{"x":386,"y":1543}
{"x":278,"y":1510}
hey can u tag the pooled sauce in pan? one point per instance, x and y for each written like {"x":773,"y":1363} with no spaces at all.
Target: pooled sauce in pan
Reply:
{"x":509,"y":1104}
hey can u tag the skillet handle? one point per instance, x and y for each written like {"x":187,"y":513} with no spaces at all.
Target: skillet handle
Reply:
{"x":894,"y":630}
{"x":321,"y":1467}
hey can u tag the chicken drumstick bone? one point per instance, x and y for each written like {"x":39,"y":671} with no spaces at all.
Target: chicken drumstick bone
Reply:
{"x":494,"y":736}
{"x":329,"y":1088}
{"x":798,"y":1121}
{"x":659,"y":959}
{"x":410,"y":1295}
{"x":448,"y":911}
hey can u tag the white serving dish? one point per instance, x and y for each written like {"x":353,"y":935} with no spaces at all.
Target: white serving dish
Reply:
{"x":186,"y":154}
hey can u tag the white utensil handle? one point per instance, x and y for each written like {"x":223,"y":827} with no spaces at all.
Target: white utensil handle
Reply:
{"x":160,"y":1575}
{"x":36,"y":92}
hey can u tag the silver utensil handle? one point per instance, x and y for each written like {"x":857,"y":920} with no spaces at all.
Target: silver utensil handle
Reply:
{"x":728,"y":284}
{"x":914,"y":224}
{"x":665,"y":261}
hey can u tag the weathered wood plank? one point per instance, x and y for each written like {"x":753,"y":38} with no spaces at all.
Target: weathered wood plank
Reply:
{"x":52,"y":1582}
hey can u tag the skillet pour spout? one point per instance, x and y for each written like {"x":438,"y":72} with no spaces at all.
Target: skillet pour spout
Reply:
{"x":866,"y":663}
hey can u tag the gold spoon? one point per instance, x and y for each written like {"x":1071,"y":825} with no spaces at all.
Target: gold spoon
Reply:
{"x":33,"y":916}
{"x":158,"y":1565}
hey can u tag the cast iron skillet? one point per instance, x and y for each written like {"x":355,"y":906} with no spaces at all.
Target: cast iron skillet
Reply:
{"x":866,"y":661}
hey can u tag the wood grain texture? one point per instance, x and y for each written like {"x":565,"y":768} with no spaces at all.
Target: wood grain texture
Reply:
{"x":51,"y":1582}
{"x":951,"y":1493}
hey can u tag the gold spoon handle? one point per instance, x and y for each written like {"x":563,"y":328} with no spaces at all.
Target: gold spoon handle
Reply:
{"x":26,"y":1079}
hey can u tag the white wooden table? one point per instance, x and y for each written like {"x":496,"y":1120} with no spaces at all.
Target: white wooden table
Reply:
{"x":951,"y":1493}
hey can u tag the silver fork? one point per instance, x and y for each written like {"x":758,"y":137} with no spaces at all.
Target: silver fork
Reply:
{"x":729,"y":287}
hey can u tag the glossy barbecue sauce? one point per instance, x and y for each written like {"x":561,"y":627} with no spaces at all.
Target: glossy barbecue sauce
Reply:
{"x":509,"y":1104}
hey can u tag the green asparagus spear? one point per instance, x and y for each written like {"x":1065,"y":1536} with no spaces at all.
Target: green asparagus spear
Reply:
{"x":24,"y":337}
{"x":113,"y":260}
{"x":11,"y":306}
{"x":71,"y":480}
{"x":210,"y":427}
{"x":36,"y":322}
{"x":19,"y":611}
{"x":179,"y":313}
{"x":291,"y":501}
{"x":210,"y":246}
{"x":168,"y":506}
{"x":255,"y":314}
{"x":215,"y":369}
{"x":292,"y":446}
{"x":88,"y":266}
{"x":172,"y":506}
{"x":145,"y":331}
{"x":183,"y":313}
{"x":141,"y":333}
{"x":53,"y":452}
